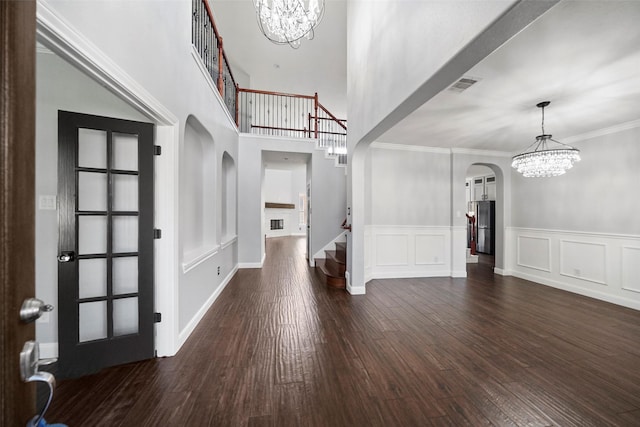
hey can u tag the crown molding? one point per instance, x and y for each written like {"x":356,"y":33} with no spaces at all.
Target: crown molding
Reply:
{"x":476,"y":152}
{"x":405,"y":147}
{"x":604,"y":131}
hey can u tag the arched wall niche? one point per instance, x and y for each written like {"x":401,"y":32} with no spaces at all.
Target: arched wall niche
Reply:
{"x":197,"y":192}
{"x":228,"y":208}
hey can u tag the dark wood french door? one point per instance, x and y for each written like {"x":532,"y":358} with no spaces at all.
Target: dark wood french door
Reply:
{"x":17,"y":207}
{"x":105,"y":242}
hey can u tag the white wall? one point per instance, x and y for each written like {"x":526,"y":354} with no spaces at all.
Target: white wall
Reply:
{"x":581,"y":231}
{"x":410,"y":186}
{"x":328,"y":188}
{"x":145,"y":53}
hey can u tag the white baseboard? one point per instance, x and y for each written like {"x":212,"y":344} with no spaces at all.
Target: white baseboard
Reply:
{"x":459,"y":274}
{"x":502,"y":272}
{"x":195,"y":320}
{"x":242,"y":265}
{"x":253,"y":264}
{"x":579,"y":290}
{"x":356,"y":290}
{"x":409,"y":274}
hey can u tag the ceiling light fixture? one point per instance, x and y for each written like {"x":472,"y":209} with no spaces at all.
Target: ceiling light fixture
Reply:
{"x":545,"y":161}
{"x":288,"y":21}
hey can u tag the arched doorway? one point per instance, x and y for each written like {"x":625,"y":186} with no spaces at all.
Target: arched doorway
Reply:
{"x":485,"y":194}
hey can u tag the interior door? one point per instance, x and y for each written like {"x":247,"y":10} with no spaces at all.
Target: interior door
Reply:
{"x":105,"y":270}
{"x":17,"y":207}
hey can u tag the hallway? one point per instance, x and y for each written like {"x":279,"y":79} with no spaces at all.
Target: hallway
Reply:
{"x":280,"y":349}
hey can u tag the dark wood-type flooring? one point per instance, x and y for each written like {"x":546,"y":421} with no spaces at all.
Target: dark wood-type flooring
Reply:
{"x":279,"y":348}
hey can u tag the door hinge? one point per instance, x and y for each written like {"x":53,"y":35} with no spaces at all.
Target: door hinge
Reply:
{"x":157,"y":317}
{"x":157,"y":233}
{"x":157,"y":150}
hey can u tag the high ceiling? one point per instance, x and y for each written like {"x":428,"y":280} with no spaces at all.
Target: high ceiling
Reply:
{"x":583,"y":56}
{"x":319,"y":65}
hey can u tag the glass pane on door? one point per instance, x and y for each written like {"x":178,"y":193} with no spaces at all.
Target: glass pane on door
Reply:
{"x":125,"y":275}
{"x":125,"y":234}
{"x":125,"y":152}
{"x":125,"y":192}
{"x":125,"y":316}
{"x":92,"y":321}
{"x":92,"y":278}
{"x":92,"y":234}
{"x":92,"y":191}
{"x":92,"y":148}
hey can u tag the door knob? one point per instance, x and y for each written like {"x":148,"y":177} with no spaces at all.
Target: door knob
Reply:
{"x":66,"y":256}
{"x":32,"y":309}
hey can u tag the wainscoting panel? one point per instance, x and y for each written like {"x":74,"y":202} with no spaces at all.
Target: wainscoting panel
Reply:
{"x":391,"y":249}
{"x":598,"y":265}
{"x":429,"y":249}
{"x":534,"y":252}
{"x":584,"y":261}
{"x":631,"y":268}
{"x":407,"y":251}
{"x":368,"y":253}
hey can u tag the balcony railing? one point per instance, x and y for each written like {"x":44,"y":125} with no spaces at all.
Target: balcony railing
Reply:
{"x":285,"y":114}
{"x":207,"y":41}
{"x":263,"y":112}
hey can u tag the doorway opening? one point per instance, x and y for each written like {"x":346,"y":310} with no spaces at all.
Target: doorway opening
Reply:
{"x":483,"y":208}
{"x":285,"y":197}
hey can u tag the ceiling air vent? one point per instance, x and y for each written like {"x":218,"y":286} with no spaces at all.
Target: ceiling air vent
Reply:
{"x":463,"y":84}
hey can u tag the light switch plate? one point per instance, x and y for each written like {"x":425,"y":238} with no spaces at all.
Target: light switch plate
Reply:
{"x":47,"y":203}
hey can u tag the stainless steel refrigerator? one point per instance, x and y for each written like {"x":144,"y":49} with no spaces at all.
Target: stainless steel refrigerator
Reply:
{"x":485,"y":225}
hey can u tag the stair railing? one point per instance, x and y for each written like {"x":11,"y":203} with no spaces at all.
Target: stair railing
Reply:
{"x":208,"y":42}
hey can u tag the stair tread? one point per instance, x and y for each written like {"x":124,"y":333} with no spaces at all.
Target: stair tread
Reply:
{"x":336,"y":256}
{"x":330,"y":278}
{"x":327,"y":269}
{"x":341,"y":245}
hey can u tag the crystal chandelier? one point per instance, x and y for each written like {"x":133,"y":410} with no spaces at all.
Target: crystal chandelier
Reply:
{"x":288,"y":21}
{"x":545,"y":160}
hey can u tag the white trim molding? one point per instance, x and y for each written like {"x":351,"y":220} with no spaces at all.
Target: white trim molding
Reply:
{"x":598,"y":265}
{"x":476,"y":152}
{"x":195,"y":261}
{"x":406,"y":147}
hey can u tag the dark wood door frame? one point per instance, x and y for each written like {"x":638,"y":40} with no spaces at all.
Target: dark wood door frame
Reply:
{"x":17,"y":205}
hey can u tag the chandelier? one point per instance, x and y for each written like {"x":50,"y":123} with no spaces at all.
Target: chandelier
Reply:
{"x":288,"y":21}
{"x":545,"y":160}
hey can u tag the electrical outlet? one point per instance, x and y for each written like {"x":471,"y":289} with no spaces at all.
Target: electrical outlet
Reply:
{"x":576,"y":272}
{"x":218,"y":270}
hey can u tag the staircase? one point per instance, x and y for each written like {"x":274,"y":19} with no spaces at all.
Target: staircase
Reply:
{"x":332,"y":268}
